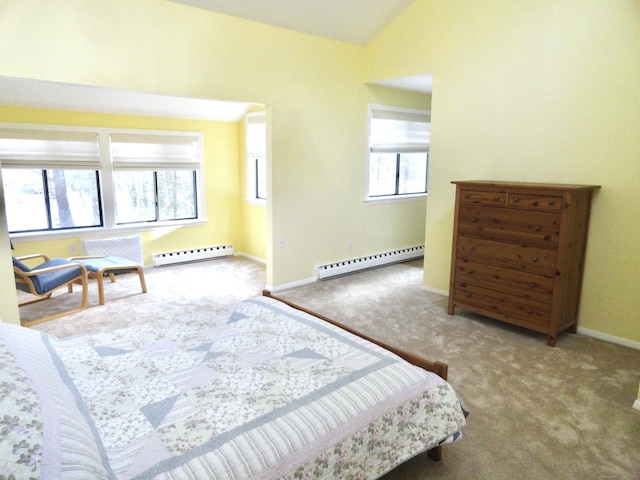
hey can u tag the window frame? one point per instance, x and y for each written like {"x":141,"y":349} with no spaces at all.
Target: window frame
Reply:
{"x":253,"y":159}
{"x":106,"y":184}
{"x":46,"y":183}
{"x":140,"y":151}
{"x":396,"y":197}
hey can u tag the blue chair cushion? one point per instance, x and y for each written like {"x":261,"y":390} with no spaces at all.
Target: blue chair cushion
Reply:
{"x":21,"y":266}
{"x":45,"y":282}
{"x":103,"y":263}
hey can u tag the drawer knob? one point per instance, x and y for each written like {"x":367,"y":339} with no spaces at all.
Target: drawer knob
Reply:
{"x":538,"y":228}
{"x":467,"y":294}
{"x":552,"y":202}
{"x":474,"y":220}
{"x":534,"y":259}
{"x":529,"y":311}
{"x":472,"y":249}
{"x":532,"y":285}
{"x":466,"y":195}
{"x":516,"y":199}
{"x":496,"y":198}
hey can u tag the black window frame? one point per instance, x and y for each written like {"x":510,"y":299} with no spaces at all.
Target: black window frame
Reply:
{"x":47,"y":203}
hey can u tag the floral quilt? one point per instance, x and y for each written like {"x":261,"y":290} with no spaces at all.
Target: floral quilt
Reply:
{"x":262,"y":391}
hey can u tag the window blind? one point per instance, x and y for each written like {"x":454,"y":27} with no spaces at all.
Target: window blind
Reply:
{"x":256,"y":136}
{"x":399,"y":131}
{"x":49,"y":149}
{"x":157,"y":152}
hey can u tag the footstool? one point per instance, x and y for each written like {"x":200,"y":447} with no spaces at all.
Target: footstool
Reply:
{"x":99,"y":267}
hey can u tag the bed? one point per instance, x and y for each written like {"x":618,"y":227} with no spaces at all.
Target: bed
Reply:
{"x":264,"y":390}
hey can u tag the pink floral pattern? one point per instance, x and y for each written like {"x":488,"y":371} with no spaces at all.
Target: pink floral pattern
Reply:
{"x":20,"y":421}
{"x":389,"y":441}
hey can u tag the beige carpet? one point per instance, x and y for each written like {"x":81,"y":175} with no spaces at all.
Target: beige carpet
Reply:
{"x":536,"y":412}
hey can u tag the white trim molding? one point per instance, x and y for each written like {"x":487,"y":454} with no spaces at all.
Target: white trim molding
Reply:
{"x":286,"y":286}
{"x":609,"y":338}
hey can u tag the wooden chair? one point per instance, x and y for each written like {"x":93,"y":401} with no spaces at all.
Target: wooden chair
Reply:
{"x":45,"y":278}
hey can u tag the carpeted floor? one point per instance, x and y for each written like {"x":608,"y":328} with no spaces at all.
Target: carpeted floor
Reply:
{"x":536,"y":412}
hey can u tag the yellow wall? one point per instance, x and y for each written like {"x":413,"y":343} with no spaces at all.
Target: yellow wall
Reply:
{"x":8,"y":298}
{"x":532,"y":91}
{"x":221,"y":177}
{"x":312,"y":88}
{"x":542,"y":91}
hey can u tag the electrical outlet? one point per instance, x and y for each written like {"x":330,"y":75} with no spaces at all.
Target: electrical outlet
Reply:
{"x":281,"y":242}
{"x":71,"y":249}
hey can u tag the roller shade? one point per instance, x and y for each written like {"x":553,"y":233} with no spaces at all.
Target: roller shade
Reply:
{"x":157,"y":152}
{"x":49,"y":149}
{"x":256,"y":136}
{"x":399,"y":131}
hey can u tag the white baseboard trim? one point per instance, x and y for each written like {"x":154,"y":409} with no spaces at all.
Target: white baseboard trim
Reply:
{"x":636,"y":404}
{"x":285,"y":286}
{"x":252,"y":257}
{"x":609,"y":338}
{"x":585,"y":331}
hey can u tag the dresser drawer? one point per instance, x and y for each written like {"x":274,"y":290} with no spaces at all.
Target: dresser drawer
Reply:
{"x":518,"y":252}
{"x":535,"y":228}
{"x":525,"y":312}
{"x":510,"y":255}
{"x":534,"y":202}
{"x":483,"y":198}
{"x":506,"y":280}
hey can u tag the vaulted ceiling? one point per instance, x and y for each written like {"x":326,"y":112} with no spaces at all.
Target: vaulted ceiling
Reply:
{"x":353,"y":21}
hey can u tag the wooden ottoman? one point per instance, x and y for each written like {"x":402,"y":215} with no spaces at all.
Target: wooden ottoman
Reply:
{"x":99,"y":267}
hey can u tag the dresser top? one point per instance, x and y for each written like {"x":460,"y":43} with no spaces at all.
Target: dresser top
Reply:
{"x":527,"y":185}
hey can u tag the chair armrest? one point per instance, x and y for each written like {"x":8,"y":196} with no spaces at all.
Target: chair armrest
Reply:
{"x":34,"y":255}
{"x":83,"y":257}
{"x":40,"y":271}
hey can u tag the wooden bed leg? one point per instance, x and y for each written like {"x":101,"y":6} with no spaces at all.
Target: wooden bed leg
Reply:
{"x":435,"y":453}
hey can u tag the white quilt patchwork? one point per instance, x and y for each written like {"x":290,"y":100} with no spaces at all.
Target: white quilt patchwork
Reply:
{"x":262,"y":391}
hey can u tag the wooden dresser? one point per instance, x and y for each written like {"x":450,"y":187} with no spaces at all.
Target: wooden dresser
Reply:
{"x":518,"y":252}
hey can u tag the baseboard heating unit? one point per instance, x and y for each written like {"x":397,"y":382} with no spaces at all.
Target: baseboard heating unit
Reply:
{"x":377,"y":260}
{"x":193,"y":255}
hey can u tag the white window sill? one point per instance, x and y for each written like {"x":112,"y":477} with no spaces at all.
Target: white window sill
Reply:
{"x":396,"y":198}
{"x":98,"y":231}
{"x":257,"y":202}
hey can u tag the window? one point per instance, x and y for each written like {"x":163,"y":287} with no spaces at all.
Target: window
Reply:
{"x":256,"y":158}
{"x":399,"y":152}
{"x":57,"y":179}
{"x":154,"y":178}
{"x":51,"y":180}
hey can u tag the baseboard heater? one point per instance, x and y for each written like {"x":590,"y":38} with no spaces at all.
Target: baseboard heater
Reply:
{"x":192,"y":255}
{"x":377,"y":260}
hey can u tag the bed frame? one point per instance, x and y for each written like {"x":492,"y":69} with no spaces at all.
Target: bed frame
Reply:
{"x":439,"y":368}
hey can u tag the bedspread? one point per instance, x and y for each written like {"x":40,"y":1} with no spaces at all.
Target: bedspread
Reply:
{"x":261,"y":391}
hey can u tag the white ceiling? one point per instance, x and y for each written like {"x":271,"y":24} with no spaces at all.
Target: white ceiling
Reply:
{"x":422,"y":83}
{"x":40,"y":94}
{"x":354,"y":21}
